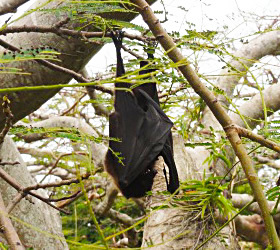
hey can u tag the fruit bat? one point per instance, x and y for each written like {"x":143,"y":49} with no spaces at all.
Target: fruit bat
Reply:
{"x":141,"y":132}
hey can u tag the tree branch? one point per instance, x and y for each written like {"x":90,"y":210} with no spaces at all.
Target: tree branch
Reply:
{"x":20,"y":189}
{"x":10,"y":6}
{"x":78,"y":77}
{"x":8,"y":228}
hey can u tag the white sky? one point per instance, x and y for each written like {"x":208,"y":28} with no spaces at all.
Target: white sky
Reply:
{"x":206,"y":15}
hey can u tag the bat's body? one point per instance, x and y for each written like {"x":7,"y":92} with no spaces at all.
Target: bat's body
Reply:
{"x":143,"y":131}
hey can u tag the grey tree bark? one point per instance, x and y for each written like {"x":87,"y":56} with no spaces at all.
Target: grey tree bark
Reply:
{"x":10,"y":6}
{"x":37,"y":225}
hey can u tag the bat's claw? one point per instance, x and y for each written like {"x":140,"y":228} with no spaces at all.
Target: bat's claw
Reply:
{"x":117,"y":37}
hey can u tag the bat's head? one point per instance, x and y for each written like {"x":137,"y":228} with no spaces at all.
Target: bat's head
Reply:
{"x":140,"y":186}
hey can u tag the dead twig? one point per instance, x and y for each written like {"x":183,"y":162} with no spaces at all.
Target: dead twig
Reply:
{"x":9,"y":118}
{"x":8,"y":228}
{"x":10,"y":180}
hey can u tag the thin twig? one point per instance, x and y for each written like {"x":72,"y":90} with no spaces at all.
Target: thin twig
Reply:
{"x":9,"y":118}
{"x":74,"y":105}
{"x":171,"y":92}
{"x":10,"y":180}
{"x":56,"y":184}
{"x":257,"y":138}
{"x":12,"y":204}
{"x":8,"y":228}
{"x":65,"y":197}
{"x":65,"y":203}
{"x":76,"y":76}
{"x":55,"y":164}
{"x":132,"y":53}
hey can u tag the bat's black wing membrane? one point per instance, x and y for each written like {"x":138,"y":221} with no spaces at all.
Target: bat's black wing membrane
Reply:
{"x":142,"y":133}
{"x":167,"y":151}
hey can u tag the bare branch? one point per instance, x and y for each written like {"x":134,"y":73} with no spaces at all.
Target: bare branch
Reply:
{"x":56,"y":184}
{"x":54,"y":165}
{"x":72,"y":73}
{"x":38,"y":152}
{"x":111,"y":193}
{"x":99,"y":108}
{"x":56,"y":29}
{"x":252,"y":110}
{"x":62,"y":204}
{"x":8,"y":228}
{"x":255,"y":137}
{"x":74,"y":105}
{"x":10,"y":6}
{"x":9,"y":118}
{"x":20,"y":189}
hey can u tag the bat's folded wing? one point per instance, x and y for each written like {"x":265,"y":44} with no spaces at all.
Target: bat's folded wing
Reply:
{"x":142,"y":135}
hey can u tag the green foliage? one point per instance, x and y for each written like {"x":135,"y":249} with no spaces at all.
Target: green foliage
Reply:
{"x":206,"y":195}
{"x":273,"y":128}
{"x":44,"y":53}
{"x":217,"y":150}
{"x":272,"y":195}
{"x":243,"y":189}
{"x":3,"y":246}
{"x":27,"y":54}
{"x":206,"y":35}
{"x":72,"y":134}
{"x":85,"y":231}
{"x":92,"y":12}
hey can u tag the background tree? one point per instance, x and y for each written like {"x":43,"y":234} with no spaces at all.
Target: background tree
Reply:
{"x":64,"y":142}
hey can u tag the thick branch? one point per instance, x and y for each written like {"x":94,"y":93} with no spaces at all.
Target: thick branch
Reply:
{"x":11,"y":181}
{"x":264,"y":45}
{"x":252,"y":110}
{"x":37,"y":213}
{"x":10,"y":6}
{"x":69,"y":32}
{"x":257,"y":138}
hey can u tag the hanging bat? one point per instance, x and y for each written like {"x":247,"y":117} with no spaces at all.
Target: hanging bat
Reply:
{"x":143,"y":132}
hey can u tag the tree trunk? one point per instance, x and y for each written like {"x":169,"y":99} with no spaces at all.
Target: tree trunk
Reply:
{"x":173,"y":228}
{"x":37,"y":224}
